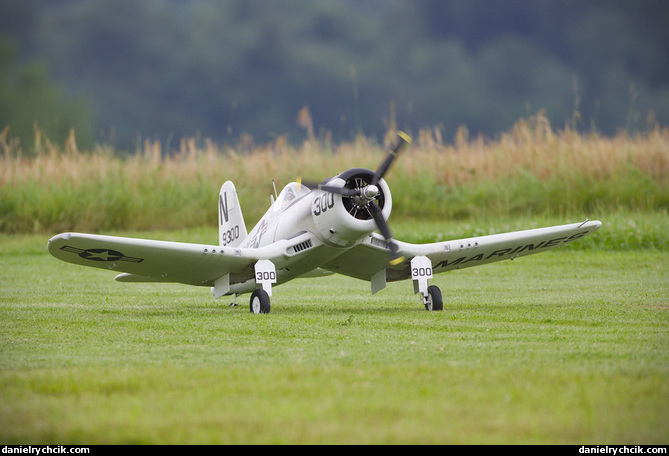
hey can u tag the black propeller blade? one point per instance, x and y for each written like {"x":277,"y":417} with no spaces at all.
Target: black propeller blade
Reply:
{"x":343,"y":191}
{"x":395,"y":258}
{"x":402,"y":139}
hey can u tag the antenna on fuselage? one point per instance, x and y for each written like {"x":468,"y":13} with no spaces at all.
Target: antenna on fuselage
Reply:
{"x":273,"y":198}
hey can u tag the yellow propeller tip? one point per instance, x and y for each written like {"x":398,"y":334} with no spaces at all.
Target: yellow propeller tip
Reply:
{"x":396,"y":261}
{"x":404,"y":136}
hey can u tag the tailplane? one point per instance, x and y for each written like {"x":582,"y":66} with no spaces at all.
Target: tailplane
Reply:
{"x":231,"y":227}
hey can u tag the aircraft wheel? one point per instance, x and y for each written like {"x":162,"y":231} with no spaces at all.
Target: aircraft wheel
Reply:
{"x":434,"y":300}
{"x":260,"y":302}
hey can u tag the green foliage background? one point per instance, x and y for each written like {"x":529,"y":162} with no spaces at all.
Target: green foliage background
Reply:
{"x":167,"y":69}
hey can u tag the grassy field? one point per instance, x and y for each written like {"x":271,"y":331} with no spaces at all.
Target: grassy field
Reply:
{"x":570,"y":346}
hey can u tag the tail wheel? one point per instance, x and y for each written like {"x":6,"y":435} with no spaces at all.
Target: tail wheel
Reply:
{"x":434,"y":299}
{"x":259,"y":302}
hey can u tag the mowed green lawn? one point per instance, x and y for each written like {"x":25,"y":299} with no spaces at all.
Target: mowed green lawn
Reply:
{"x":568,"y":347}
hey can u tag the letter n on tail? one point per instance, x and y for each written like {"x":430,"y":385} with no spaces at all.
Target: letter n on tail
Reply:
{"x":231,"y":226}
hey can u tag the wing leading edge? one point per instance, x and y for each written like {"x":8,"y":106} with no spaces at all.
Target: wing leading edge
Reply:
{"x":370,"y":257}
{"x":142,"y":260}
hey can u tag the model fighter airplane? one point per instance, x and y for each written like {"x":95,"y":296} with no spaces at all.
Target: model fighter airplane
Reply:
{"x":310,"y":230}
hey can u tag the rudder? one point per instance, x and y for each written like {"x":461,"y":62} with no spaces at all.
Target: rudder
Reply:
{"x":231,"y":227}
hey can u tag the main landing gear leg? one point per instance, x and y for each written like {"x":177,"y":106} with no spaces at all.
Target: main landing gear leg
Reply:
{"x":421,"y":271}
{"x":265,"y":277}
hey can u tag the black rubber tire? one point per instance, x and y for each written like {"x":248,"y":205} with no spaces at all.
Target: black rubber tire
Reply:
{"x":259,"y":303}
{"x":434,"y":293}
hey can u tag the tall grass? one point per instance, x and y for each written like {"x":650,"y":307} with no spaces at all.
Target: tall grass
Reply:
{"x":532,"y":169}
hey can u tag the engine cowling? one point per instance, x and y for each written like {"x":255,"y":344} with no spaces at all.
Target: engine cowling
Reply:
{"x":342,"y":219}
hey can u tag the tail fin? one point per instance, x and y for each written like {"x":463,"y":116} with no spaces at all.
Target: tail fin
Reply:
{"x":231,"y":227}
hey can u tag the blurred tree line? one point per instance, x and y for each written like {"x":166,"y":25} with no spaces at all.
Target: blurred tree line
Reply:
{"x":119,"y":71}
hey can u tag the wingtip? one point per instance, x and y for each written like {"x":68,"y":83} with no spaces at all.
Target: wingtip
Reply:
{"x":51,"y":243}
{"x":63,"y":236}
{"x":596,"y":224}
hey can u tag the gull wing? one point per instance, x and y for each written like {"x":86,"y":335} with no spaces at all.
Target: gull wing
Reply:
{"x":142,"y":260}
{"x":371,"y":256}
